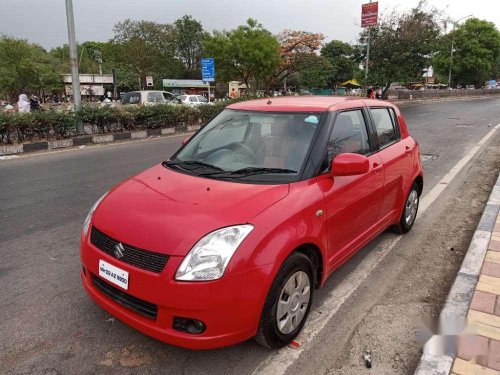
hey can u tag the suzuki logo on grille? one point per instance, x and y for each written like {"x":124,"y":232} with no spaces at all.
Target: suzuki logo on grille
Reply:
{"x":119,"y":250}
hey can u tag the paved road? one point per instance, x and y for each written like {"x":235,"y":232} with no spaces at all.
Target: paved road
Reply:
{"x":374,"y":301}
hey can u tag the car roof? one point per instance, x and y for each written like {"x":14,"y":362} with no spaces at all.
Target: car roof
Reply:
{"x":305,"y":104}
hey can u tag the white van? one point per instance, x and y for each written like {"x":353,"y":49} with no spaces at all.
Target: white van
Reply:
{"x":150,"y":97}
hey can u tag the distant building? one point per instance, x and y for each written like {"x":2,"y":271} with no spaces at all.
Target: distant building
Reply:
{"x":90,"y":84}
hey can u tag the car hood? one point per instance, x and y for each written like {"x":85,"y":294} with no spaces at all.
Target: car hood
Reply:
{"x":168,"y":212}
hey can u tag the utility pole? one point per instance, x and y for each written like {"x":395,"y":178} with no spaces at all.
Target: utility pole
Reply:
{"x":367,"y":58}
{"x":455,"y":23}
{"x":75,"y":79}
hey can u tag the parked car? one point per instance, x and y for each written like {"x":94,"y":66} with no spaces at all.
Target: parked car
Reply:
{"x":229,"y":238}
{"x":149,"y":97}
{"x":193,"y":99}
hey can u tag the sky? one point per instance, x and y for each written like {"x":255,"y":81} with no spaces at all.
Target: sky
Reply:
{"x":44,"y":21}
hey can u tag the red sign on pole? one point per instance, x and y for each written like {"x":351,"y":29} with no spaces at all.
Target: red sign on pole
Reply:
{"x":369,"y":14}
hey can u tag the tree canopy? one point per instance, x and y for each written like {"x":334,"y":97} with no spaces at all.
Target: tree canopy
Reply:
{"x":401,"y":45}
{"x":476,"y":53}
{"x":248,"y":53}
{"x":342,"y":58}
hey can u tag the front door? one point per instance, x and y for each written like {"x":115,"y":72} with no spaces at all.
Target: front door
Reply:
{"x":352,"y":202}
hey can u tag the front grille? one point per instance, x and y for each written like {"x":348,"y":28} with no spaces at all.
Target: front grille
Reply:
{"x":147,"y":309}
{"x":144,"y":259}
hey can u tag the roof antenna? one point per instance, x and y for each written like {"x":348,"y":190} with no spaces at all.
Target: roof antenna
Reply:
{"x":269,"y":101}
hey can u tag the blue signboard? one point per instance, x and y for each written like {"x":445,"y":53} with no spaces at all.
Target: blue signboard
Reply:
{"x":208,"y":69}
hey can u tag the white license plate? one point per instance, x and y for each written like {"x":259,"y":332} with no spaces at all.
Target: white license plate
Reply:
{"x":113,"y":274}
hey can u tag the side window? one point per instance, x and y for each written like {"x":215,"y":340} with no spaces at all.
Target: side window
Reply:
{"x":348,"y":135}
{"x":168,"y":97}
{"x":132,"y":98}
{"x":193,"y":99}
{"x":155,"y":97}
{"x":384,"y":126}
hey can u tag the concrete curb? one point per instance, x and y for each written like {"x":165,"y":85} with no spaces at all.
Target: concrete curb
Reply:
{"x":90,"y":139}
{"x":460,"y":296}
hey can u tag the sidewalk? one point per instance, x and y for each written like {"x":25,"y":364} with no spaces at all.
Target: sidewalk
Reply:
{"x":482,"y":354}
{"x":474,"y":301}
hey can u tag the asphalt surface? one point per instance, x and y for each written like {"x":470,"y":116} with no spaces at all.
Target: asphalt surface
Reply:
{"x":50,"y":326}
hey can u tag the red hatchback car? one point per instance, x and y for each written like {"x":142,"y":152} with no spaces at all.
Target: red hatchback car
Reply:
{"x":229,"y":238}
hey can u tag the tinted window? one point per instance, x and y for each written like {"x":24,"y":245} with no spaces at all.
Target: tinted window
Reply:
{"x":132,"y":98}
{"x":349,"y":135}
{"x":384,"y":126}
{"x":193,"y":99}
{"x":155,"y":97}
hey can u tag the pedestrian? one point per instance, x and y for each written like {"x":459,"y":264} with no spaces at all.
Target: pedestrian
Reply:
{"x":34,"y":103}
{"x":371,"y":93}
{"x":23,"y":105}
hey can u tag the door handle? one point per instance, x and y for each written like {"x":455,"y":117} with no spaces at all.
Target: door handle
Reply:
{"x":377,"y":167}
{"x":408,"y":150}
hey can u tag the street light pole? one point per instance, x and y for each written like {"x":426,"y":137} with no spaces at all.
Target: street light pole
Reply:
{"x":453,"y":45}
{"x":367,"y":58}
{"x":73,"y":56}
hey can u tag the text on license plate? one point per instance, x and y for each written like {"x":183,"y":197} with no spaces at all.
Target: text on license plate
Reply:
{"x":113,"y":274}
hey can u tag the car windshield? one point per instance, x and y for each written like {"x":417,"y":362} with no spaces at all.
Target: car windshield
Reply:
{"x":248,"y":145}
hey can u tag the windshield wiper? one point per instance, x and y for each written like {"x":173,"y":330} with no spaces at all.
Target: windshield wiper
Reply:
{"x":260,"y":170}
{"x":196,"y":163}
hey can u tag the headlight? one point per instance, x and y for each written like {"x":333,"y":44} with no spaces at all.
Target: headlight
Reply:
{"x":86,"y":223}
{"x":208,"y":259}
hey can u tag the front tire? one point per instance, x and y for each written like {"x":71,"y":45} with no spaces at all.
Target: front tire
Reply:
{"x":288,"y":303}
{"x":410,"y":210}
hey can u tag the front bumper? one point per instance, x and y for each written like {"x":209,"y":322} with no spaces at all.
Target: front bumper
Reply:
{"x":230,"y":307}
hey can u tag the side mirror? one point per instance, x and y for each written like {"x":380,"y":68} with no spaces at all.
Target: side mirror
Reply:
{"x":349,"y":165}
{"x":186,"y":140}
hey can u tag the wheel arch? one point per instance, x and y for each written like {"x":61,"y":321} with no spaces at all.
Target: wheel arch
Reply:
{"x":419,"y":180}
{"x":316,"y":257}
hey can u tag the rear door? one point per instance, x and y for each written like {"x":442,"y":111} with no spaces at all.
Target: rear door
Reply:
{"x":396,"y":157}
{"x":352,"y":202}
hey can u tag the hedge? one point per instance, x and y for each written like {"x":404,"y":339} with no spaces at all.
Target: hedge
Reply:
{"x":50,"y":124}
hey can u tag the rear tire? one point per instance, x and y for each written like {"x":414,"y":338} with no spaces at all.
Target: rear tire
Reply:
{"x":288,"y":303}
{"x":410,"y":210}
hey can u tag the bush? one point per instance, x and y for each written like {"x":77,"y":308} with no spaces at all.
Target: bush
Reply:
{"x":48,"y":124}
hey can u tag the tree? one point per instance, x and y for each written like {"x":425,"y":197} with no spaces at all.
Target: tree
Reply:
{"x":476,"y":53}
{"x":341,"y":57}
{"x":248,"y":53}
{"x":141,"y":48}
{"x":189,"y":37}
{"x":401,"y":45}
{"x":297,"y":52}
{"x":318,"y":75}
{"x":25,"y":67}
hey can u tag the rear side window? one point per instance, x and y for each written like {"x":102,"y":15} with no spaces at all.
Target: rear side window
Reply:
{"x":349,"y":135}
{"x":132,"y":98}
{"x":155,"y":97}
{"x":193,"y":99}
{"x":384,"y":125}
